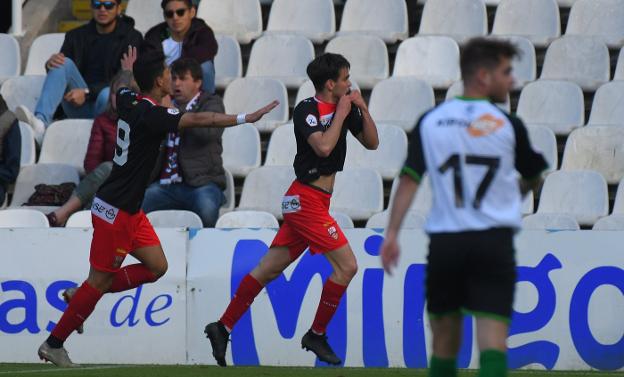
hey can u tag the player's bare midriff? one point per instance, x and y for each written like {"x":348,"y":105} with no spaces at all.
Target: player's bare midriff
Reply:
{"x":325,"y":182}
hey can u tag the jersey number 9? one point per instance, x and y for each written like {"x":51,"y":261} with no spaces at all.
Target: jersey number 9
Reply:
{"x":123,"y":143}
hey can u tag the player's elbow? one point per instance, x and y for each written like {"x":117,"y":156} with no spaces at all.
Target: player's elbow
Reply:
{"x":323,"y":151}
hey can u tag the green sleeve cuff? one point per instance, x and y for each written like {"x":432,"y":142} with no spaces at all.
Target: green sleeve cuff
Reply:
{"x":411,"y":173}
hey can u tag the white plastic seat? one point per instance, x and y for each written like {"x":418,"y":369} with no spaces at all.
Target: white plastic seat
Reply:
{"x":174,"y":219}
{"x":608,"y":105}
{"x":283,"y":57}
{"x":146,"y":14}
{"x":412,"y":220}
{"x":241,"y":149}
{"x":306,"y":90}
{"x":22,"y":90}
{"x":80,"y":219}
{"x":600,"y":18}
{"x":10,"y":60}
{"x":314,"y":19}
{"x":543,"y":140}
{"x":457,"y":89}
{"x":559,"y":105}
{"x":23,"y":218}
{"x":40,"y":51}
{"x":358,"y":192}
{"x":66,"y":142}
{"x":241,"y":19}
{"x":389,"y":157}
{"x":367,"y":54}
{"x":228,"y":62}
{"x":618,"y":206}
{"x":385,"y":19}
{"x":264,"y":189}
{"x":458,"y":19}
{"x":282,"y":146}
{"x":583,"y":60}
{"x":536,"y":20}
{"x":249,"y":94}
{"x":401,"y":101}
{"x":343,"y":220}
{"x":421,"y":204}
{"x":29,"y":153}
{"x":566,"y":3}
{"x":581,"y":194}
{"x":434,"y":59}
{"x":32,"y":175}
{"x":550,"y":221}
{"x":610,"y":223}
{"x":599,"y":148}
{"x":619,"y":69}
{"x":247,"y":219}
{"x":528,"y":204}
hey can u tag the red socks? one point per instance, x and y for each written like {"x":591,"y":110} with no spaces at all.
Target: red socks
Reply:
{"x":248,"y":289}
{"x":79,"y":309}
{"x":131,"y":277}
{"x":330,"y":298}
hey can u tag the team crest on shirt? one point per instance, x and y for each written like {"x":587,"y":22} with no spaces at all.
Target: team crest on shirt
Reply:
{"x":485,"y":125}
{"x":291,"y":204}
{"x":173,"y":111}
{"x":333,"y":233}
{"x":311,"y":121}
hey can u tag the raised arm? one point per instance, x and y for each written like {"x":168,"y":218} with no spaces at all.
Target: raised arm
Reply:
{"x":210,"y":119}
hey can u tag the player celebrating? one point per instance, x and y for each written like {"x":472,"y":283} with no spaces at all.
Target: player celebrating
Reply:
{"x":321,"y":124}
{"x":472,"y":152}
{"x":119,"y":226}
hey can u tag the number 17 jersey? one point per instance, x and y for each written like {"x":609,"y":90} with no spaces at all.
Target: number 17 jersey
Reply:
{"x":472,"y":152}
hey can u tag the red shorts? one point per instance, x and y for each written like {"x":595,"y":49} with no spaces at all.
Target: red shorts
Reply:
{"x":307,"y":222}
{"x":116,"y":233}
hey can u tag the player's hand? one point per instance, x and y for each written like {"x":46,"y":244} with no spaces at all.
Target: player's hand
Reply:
{"x":128,"y":59}
{"x":357,"y":100}
{"x":55,"y":61}
{"x":258,"y":114}
{"x":344,"y":106}
{"x":76,"y":97}
{"x":390,"y":254}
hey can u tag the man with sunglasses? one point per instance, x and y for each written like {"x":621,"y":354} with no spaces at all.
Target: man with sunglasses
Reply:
{"x":182,"y":35}
{"x":79,"y":74}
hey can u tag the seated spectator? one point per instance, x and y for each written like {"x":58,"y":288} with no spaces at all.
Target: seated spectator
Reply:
{"x":10,"y":149}
{"x":79,"y":74}
{"x":192,"y":177}
{"x":182,"y":35}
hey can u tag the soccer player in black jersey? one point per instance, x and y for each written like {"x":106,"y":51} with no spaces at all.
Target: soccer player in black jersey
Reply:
{"x":119,"y":226}
{"x":321,"y":124}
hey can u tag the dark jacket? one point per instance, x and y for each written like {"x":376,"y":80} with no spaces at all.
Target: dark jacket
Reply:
{"x":11,"y":155}
{"x":78,"y":41}
{"x":199,"y":43}
{"x":102,"y":142}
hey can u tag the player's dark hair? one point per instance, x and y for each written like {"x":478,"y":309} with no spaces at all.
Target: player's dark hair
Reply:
{"x":485,"y":53}
{"x":148,"y":67}
{"x":326,"y":67}
{"x":189,"y":3}
{"x":183,"y":65}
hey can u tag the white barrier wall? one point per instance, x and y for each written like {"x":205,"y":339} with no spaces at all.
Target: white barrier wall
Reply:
{"x":569,"y":302}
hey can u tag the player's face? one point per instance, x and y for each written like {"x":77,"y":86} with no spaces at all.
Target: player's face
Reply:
{"x":501,"y":81}
{"x":184,"y":87}
{"x":105,"y":12}
{"x":178,"y":16}
{"x":342,"y":85}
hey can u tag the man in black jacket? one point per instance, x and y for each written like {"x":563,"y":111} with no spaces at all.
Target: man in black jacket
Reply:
{"x":79,"y":74}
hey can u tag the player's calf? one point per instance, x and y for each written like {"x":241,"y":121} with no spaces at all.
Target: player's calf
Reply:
{"x":67,"y":296}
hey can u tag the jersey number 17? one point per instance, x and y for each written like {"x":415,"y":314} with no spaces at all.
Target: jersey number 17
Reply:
{"x":454,"y":162}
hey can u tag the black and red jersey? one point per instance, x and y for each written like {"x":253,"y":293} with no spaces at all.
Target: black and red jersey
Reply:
{"x":313,"y":115}
{"x":141,"y":128}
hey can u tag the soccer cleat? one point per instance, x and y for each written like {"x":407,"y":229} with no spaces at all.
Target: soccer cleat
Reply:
{"x":57,"y":356}
{"x":318,"y":344}
{"x":67,"y":296}
{"x":219,"y":338}
{"x":23,"y":114}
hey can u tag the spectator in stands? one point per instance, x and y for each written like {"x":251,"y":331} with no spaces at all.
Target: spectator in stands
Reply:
{"x":182,"y":35}
{"x":79,"y":74}
{"x":192,"y":177}
{"x":10,"y":149}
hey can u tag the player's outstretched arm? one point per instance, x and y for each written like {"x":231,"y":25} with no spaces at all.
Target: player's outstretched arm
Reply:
{"x":210,"y":119}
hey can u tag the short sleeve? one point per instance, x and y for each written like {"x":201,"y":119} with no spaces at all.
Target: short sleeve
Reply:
{"x":306,"y":119}
{"x":126,"y":100}
{"x":356,"y":122}
{"x":529,"y":163}
{"x":161,"y":120}
{"x":415,"y":166}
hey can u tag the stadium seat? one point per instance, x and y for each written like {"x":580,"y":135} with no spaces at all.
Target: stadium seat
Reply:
{"x":389,"y":157}
{"x":264,"y":189}
{"x":422,"y":200}
{"x":314,"y":19}
{"x":247,"y":219}
{"x":241,"y":149}
{"x":608,"y":105}
{"x":599,"y":148}
{"x":23,"y":218}
{"x":358,"y":192}
{"x":367,"y":54}
{"x":528,"y":204}
{"x":434,"y":59}
{"x":619,"y":69}
{"x":229,"y":194}
{"x":558,"y":105}
{"x":566,"y":3}
{"x":458,"y":19}
{"x":581,"y":194}
{"x":306,"y":90}
{"x":412,"y":220}
{"x":457,"y":89}
{"x":29,"y":153}
{"x":618,"y":206}
{"x":583,"y":60}
{"x":343,"y":220}
{"x":80,"y":219}
{"x":543,"y":140}
{"x":401,"y":101}
{"x":40,"y":51}
{"x":598,"y":18}
{"x":550,"y":221}
{"x":174,"y":219}
{"x":610,"y":223}
{"x":32,"y":175}
{"x":146,"y":14}
{"x":228,"y":62}
{"x":66,"y":142}
{"x":283,"y":57}
{"x":282,"y":146}
{"x":385,"y":19}
{"x":249,"y":94}
{"x":10,"y":61}
{"x":22,"y":90}
{"x":241,"y":19}
{"x":536,"y":20}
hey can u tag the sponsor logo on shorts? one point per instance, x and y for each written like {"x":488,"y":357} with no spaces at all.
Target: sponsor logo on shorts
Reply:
{"x":104,"y":210}
{"x":333,"y":233}
{"x":291,"y":204}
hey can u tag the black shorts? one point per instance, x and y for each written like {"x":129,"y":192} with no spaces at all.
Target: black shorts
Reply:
{"x":471,"y":272}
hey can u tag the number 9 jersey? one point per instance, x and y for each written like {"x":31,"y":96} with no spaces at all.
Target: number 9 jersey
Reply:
{"x":472,"y":152}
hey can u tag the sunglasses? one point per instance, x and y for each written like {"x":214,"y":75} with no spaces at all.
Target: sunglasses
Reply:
{"x":108,"y":5}
{"x":180,"y":12}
